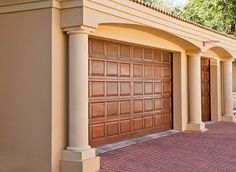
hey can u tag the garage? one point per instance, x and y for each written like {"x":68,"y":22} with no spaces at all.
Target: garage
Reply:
{"x":130,"y":91}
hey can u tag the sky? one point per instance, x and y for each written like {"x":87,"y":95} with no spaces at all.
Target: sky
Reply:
{"x":180,"y":3}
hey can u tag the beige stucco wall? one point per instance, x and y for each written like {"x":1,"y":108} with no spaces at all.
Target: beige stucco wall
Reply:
{"x":25,"y":94}
{"x":32,"y":91}
{"x":234,"y":78}
{"x":59,"y":90}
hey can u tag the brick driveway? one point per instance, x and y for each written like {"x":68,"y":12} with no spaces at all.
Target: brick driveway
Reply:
{"x":212,"y":151}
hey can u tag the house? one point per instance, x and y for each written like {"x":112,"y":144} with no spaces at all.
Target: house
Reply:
{"x":77,"y":74}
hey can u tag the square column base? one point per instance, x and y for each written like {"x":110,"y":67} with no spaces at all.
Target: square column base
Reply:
{"x":196,"y":127}
{"x":228,"y":118}
{"x":83,"y":161}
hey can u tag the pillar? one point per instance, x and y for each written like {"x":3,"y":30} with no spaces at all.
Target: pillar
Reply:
{"x":78,"y":156}
{"x":228,"y":91}
{"x":216,"y":111}
{"x":194,"y":86}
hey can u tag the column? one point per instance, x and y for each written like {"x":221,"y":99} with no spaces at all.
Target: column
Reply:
{"x":216,"y":111}
{"x":228,"y":91}
{"x":78,"y":156}
{"x":194,"y":85}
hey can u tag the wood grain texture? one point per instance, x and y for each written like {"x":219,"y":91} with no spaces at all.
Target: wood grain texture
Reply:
{"x":205,"y":92}
{"x":130,"y":91}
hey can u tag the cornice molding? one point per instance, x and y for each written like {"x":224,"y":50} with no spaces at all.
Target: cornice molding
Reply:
{"x":27,"y":6}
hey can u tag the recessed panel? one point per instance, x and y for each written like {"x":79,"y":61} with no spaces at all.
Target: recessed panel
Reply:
{"x":138,"y":106}
{"x":148,"y":122}
{"x":124,"y":50}
{"x":125,"y":69}
{"x":112,"y":49}
{"x":125,"y":107}
{"x":148,"y":71}
{"x":157,"y":104}
{"x":157,"y":55}
{"x":166,"y":103}
{"x":166,"y":72}
{"x":97,"y":110}
{"x":112,"y":88}
{"x":97,"y":68}
{"x":148,"y":54}
{"x":98,"y":131}
{"x":138,"y":52}
{"x":97,"y":47}
{"x":157,"y":120}
{"x":166,"y":118}
{"x":148,"y":88}
{"x":157,"y":71}
{"x":166,"y":57}
{"x":112,"y":69}
{"x":112,"y":108}
{"x":138,"y":70}
{"x":138,"y":123}
{"x":138,"y":88}
{"x":112,"y":128}
{"x":158,"y":88}
{"x":125,"y":88}
{"x":97,"y":89}
{"x":148,"y":105}
{"x":125,"y":126}
{"x":166,"y":87}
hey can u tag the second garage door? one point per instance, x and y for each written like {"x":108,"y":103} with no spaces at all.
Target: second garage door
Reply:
{"x":130,"y":91}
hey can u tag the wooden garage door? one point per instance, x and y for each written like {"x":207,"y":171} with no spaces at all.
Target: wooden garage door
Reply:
{"x":130,"y":91}
{"x":206,"y":96}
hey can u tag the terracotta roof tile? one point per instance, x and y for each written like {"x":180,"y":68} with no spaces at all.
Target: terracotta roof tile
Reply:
{"x":154,"y":7}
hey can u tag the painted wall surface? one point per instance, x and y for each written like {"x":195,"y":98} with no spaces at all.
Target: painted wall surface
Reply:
{"x":234,"y":78}
{"x":25,"y":91}
{"x":59,"y":90}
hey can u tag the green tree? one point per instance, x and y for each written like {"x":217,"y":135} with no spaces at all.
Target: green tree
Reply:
{"x":216,"y":14}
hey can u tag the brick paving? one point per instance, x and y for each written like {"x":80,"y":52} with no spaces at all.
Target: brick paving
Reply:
{"x":211,"y":151}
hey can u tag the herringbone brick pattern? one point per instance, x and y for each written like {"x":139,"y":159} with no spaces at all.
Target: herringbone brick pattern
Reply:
{"x":212,"y":151}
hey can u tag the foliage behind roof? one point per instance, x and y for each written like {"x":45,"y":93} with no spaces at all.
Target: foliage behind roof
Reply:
{"x":154,"y":7}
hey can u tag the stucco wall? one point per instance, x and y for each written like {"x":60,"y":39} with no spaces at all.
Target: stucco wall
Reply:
{"x":25,"y":91}
{"x":59,"y":90}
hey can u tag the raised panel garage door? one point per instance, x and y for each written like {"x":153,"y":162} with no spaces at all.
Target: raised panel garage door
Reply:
{"x":130,"y":91}
{"x":206,"y":93}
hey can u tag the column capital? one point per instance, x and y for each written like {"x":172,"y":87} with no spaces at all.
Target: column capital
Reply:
{"x":194,"y":53}
{"x":79,"y":30}
{"x":229,"y":59}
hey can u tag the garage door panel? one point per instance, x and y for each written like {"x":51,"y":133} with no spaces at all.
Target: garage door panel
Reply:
{"x":125,"y":51}
{"x":148,"y":54}
{"x":97,"y":47}
{"x":130,"y":89}
{"x":138,"y":70}
{"x":111,"y":68}
{"x":112,"y":128}
{"x":111,"y":50}
{"x":148,"y":88}
{"x":124,"y":69}
{"x":97,"y":68}
{"x":138,"y":53}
